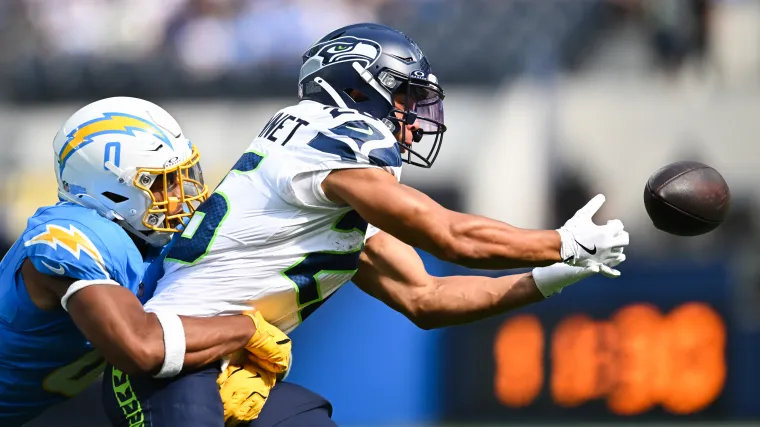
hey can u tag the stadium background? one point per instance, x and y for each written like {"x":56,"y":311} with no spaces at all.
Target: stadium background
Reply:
{"x":548,"y":102}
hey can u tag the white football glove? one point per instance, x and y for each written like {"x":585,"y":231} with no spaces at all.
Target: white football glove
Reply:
{"x":552,"y":279}
{"x":585,"y":244}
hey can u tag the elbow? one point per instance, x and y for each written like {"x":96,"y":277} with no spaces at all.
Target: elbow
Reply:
{"x":446,"y":245}
{"x":455,"y":245}
{"x":421,"y":315}
{"x":425,"y":323}
{"x":456,"y":250}
{"x":150,"y":360}
{"x":142,"y":357}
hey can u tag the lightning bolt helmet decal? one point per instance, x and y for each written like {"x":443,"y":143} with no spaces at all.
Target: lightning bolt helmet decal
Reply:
{"x":110,"y":123}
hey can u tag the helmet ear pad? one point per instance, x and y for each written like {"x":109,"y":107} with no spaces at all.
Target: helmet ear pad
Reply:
{"x":356,"y":95}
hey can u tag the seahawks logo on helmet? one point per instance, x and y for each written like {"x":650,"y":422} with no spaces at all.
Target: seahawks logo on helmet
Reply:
{"x":343,"y":49}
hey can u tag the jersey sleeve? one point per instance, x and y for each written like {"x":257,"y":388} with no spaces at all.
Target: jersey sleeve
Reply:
{"x":371,"y":231}
{"x":67,"y":247}
{"x":356,"y":141}
{"x":342,"y":139}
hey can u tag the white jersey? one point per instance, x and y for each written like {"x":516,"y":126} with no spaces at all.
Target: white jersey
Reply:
{"x":268,"y":238}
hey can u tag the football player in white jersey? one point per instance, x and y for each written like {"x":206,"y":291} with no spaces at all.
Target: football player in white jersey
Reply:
{"x":289,"y":224}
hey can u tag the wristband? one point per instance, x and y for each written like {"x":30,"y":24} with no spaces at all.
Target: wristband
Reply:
{"x":174,"y":345}
{"x":552,"y":279}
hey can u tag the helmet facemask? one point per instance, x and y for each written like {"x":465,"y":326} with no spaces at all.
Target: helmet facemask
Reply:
{"x":423,"y":104}
{"x":180,"y":188}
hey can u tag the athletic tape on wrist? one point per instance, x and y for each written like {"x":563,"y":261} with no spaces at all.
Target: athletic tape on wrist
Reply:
{"x":546,"y":282}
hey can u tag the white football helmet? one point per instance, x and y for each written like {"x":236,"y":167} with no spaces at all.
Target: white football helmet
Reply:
{"x":128,"y":159}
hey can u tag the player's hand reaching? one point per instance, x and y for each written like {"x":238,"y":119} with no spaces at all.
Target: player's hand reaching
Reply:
{"x":269,"y":345}
{"x":246,"y":380}
{"x":552,"y":279}
{"x":244,"y":387}
{"x":585,"y":244}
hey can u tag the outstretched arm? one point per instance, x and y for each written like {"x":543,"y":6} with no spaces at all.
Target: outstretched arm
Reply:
{"x":114,"y":321}
{"x":392,"y":272}
{"x":471,"y":240}
{"x":414,"y":218}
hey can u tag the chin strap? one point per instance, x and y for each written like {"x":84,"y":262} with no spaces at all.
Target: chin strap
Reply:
{"x":90,"y":202}
{"x":153,"y":238}
{"x":331,"y":91}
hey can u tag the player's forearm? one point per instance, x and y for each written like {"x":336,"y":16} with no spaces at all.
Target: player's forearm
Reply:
{"x":419,"y":221}
{"x":457,"y":300}
{"x":479,"y":242}
{"x":142,"y":350}
{"x":113,"y":320}
{"x":133,"y":340}
{"x":209,"y":339}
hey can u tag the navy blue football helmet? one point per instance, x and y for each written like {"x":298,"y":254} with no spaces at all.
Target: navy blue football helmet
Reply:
{"x":364,"y":67}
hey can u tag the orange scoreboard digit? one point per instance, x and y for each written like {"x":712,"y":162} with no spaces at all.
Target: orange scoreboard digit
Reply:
{"x":635,"y":360}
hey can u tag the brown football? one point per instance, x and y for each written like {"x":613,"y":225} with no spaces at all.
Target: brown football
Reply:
{"x":687,"y":198}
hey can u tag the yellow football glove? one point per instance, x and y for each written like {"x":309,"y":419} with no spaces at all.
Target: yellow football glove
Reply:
{"x":244,"y":387}
{"x":270,"y":346}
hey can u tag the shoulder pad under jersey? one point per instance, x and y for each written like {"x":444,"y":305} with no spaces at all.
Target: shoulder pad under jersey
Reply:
{"x":343,"y":136}
{"x":69,"y":240}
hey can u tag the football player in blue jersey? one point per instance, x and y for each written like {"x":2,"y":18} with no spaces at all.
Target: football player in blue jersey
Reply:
{"x":127,"y":179}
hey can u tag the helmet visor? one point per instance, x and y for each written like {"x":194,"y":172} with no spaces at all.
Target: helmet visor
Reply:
{"x":424,"y":104}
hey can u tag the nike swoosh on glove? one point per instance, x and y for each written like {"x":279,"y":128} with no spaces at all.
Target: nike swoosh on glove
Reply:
{"x":552,"y":279}
{"x":585,"y":244}
{"x":244,"y":387}
{"x":269,"y":345}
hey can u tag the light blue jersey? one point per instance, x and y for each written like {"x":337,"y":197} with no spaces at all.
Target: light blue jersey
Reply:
{"x":44,"y":359}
